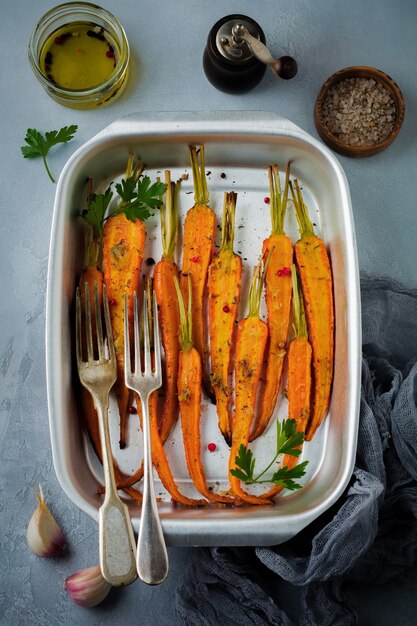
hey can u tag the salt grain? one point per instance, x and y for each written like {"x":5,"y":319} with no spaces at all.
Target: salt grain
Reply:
{"x":359,"y":111}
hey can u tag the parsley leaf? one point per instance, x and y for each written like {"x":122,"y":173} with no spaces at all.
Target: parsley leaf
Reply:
{"x":288,"y":442}
{"x":284,"y":476}
{"x":96,"y":211}
{"x":126,"y":189}
{"x":138,"y":204}
{"x":246,"y":462}
{"x":151,"y":195}
{"x":37,"y":145}
{"x":137,"y":199}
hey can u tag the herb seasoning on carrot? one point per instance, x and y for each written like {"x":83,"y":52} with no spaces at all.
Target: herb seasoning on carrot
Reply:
{"x":316,"y":281}
{"x":224,"y":285}
{"x":278,"y":297}
{"x":252,"y":335}
{"x":189,"y":396}
{"x":199,"y":232}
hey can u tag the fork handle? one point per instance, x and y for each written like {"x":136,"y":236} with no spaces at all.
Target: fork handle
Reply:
{"x":152,"y":555}
{"x":116,"y":538}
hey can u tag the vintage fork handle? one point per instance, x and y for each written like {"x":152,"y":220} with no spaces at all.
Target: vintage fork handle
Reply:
{"x":116,"y":538}
{"x":152,"y":555}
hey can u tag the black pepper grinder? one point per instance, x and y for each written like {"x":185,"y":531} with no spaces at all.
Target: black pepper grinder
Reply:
{"x":236,"y":57}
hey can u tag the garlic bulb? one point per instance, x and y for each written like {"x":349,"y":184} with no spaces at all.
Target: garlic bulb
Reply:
{"x":44,"y":536}
{"x":87,"y":587}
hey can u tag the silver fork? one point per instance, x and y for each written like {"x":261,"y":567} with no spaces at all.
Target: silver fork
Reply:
{"x":152,"y":556}
{"x":116,"y":538}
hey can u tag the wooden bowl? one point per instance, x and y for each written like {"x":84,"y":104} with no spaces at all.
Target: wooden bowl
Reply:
{"x":359,"y":72}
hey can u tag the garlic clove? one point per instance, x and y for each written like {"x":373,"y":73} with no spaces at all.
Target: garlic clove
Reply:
{"x":87,"y":587}
{"x":44,"y":536}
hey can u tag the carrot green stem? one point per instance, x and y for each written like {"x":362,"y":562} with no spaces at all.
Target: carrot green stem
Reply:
{"x":228,"y":221}
{"x":169,"y":217}
{"x":300,"y":325}
{"x":149,"y":302}
{"x":133,"y":168}
{"x":93,"y":243}
{"x":186,"y":325}
{"x":278,"y":199}
{"x":304,"y":223}
{"x":201,"y":194}
{"x":255,"y":291}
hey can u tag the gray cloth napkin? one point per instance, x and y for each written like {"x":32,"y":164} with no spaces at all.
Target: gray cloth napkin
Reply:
{"x":370,"y":534}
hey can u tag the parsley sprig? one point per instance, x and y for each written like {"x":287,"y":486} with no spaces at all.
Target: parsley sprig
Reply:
{"x":137,"y":199}
{"x":288,"y":442}
{"x":38,"y":145}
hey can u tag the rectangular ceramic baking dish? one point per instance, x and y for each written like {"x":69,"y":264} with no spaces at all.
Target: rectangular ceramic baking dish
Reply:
{"x":239,"y":147}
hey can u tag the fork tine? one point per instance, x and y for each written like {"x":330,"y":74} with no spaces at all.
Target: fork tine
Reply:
{"x":138,"y":367}
{"x":146,"y":347}
{"x":156,"y":339}
{"x":109,"y":332}
{"x":89,"y":332}
{"x":78,"y":332}
{"x":128,"y":365}
{"x":99,"y":326}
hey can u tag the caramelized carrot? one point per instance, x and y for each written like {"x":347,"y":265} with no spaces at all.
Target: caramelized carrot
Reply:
{"x":123,"y":251}
{"x":252,"y":335}
{"x":199,"y":232}
{"x":278,"y":298}
{"x":89,"y":276}
{"x":159,"y":458}
{"x":189,"y":396}
{"x":299,"y":375}
{"x":224,"y":283}
{"x":316,"y":280}
{"x":168,"y":312}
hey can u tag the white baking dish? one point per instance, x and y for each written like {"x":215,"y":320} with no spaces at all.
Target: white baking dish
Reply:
{"x":240,"y":145}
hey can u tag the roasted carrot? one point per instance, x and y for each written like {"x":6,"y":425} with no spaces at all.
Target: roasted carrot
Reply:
{"x":316,"y":281}
{"x":278,"y":298}
{"x":168,"y":312}
{"x":224,"y":285}
{"x":299,"y":374}
{"x":159,"y":458}
{"x":252,"y":336}
{"x":160,"y":461}
{"x":89,"y":276}
{"x":189,"y":396}
{"x":199,"y":232}
{"x":123,"y":251}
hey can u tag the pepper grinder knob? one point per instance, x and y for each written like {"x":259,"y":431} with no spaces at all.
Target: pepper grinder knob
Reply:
{"x":236,"y":57}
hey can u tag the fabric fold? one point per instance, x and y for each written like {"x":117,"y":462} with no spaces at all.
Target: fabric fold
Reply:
{"x":370,"y":534}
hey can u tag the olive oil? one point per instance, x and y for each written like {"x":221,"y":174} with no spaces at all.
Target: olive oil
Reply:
{"x":79,"y":56}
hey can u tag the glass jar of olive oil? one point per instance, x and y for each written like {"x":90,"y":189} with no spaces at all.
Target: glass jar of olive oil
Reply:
{"x":80,"y":54}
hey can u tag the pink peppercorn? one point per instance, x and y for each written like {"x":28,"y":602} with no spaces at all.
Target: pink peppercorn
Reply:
{"x":211,"y":447}
{"x":267,"y":200}
{"x":132,"y":410}
{"x":226,"y":308}
{"x":285,"y":271}
{"x":112,"y":301}
{"x":195,"y":259}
